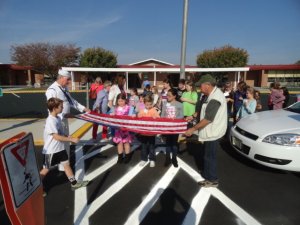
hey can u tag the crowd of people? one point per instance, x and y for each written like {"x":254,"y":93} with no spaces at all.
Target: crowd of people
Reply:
{"x":207,"y":110}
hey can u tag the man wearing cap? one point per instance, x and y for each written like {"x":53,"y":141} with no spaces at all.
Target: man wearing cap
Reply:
{"x":211,"y":127}
{"x":59,"y":89}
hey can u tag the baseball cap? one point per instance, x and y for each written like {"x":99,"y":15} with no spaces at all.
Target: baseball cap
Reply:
{"x":205,"y":79}
{"x":64,"y":73}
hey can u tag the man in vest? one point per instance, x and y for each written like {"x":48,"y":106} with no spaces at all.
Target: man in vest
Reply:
{"x":211,"y":127}
{"x":59,"y":89}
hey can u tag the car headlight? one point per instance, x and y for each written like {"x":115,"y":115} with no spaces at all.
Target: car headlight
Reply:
{"x":283,"y":139}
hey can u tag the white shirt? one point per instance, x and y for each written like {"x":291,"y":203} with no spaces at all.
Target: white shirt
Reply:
{"x":53,"y":126}
{"x":57,"y":91}
{"x":113,"y":93}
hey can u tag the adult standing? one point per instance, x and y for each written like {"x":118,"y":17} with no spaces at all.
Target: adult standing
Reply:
{"x":101,"y":106}
{"x":95,"y":88}
{"x":117,"y":88}
{"x":211,"y":127}
{"x":59,"y":89}
{"x":277,"y":96}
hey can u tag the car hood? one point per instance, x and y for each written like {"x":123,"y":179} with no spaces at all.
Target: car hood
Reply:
{"x":270,"y":122}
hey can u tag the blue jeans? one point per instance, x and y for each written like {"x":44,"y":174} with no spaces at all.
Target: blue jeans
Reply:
{"x":210,"y":160}
{"x":148,"y":148}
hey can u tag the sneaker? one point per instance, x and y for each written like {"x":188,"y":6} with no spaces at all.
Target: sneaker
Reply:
{"x":152,"y":164}
{"x":207,"y":183}
{"x":80,"y":184}
{"x":142,"y":163}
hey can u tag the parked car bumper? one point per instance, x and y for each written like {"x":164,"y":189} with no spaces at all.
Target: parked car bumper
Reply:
{"x":270,"y":155}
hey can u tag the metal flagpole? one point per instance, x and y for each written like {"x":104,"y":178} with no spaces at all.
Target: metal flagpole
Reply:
{"x":183,"y":40}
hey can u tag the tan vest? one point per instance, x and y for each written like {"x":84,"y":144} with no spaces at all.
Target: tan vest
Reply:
{"x":217,"y":128}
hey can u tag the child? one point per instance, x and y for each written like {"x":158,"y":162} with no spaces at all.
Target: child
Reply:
{"x":148,"y":141}
{"x":172,"y":109}
{"x":181,"y":89}
{"x":155,"y":96}
{"x":147,"y":90}
{"x":167,"y":85}
{"x":140,"y":105}
{"x":54,"y":150}
{"x":258,"y":101}
{"x":122,"y":138}
{"x":189,"y":99}
{"x":134,"y":98}
{"x":249,"y":105}
{"x":101,"y":106}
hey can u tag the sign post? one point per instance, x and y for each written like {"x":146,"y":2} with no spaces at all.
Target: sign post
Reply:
{"x":20,"y":181}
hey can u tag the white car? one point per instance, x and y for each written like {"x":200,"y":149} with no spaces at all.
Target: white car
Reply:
{"x":270,"y":138}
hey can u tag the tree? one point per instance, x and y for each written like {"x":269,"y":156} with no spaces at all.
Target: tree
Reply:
{"x":45,"y":57}
{"x":298,"y":62}
{"x":226,"y":56}
{"x":98,"y":57}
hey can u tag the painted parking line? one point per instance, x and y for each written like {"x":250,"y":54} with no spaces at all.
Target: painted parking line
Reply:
{"x":81,"y":193}
{"x":83,"y":211}
{"x":226,"y":201}
{"x":195,"y":212}
{"x":141,"y":211}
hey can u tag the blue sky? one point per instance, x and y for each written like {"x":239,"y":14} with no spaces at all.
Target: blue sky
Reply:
{"x":140,"y":29}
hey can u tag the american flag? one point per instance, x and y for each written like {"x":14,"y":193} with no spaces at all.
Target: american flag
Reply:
{"x":143,"y":125}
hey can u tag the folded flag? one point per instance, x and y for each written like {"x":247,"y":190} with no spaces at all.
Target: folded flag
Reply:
{"x":142,"y":125}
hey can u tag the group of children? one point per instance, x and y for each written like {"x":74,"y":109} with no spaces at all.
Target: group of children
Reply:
{"x":144,"y":106}
{"x":149,"y":104}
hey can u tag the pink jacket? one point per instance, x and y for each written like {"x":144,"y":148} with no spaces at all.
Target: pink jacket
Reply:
{"x":277,"y":98}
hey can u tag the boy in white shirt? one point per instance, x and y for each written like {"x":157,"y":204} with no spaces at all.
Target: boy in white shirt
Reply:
{"x":54,"y":149}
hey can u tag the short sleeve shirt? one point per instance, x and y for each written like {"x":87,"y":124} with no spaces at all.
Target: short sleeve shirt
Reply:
{"x":211,"y":110}
{"x":53,"y":126}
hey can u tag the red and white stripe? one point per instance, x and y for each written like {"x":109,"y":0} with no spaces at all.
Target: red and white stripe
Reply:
{"x":144,"y":125}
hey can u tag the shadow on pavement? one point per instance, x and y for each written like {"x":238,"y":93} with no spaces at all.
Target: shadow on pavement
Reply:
{"x":28,"y":122}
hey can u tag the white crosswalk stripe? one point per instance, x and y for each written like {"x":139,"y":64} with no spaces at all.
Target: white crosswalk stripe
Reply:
{"x":83,"y":211}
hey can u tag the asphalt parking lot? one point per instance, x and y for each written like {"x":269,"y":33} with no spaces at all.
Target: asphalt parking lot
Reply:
{"x":129,"y":194}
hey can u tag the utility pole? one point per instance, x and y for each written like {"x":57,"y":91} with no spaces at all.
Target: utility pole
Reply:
{"x":183,"y":39}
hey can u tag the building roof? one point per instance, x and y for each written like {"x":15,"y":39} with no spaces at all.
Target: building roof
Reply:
{"x":274,"y":67}
{"x":15,"y":67}
{"x":141,"y":69}
{"x":151,"y":60}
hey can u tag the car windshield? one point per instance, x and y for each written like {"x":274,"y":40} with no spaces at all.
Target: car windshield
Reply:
{"x":294,"y":108}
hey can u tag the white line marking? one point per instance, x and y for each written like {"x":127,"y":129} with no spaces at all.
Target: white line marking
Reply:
{"x":197,"y":207}
{"x":115,"y":188}
{"x":189,"y":170}
{"x":94,"y":152}
{"x":102,"y":169}
{"x":232,"y":206}
{"x":141,"y":211}
{"x":80,"y":200}
{"x":238,"y":211}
